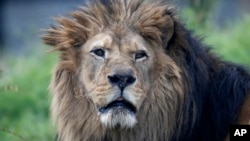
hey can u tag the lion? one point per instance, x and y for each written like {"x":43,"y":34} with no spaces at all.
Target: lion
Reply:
{"x":129,"y":70}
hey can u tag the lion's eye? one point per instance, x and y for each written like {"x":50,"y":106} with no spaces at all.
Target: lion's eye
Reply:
{"x":98,"y":52}
{"x":140,"y":54}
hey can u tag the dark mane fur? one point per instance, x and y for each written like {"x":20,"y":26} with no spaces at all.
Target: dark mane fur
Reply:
{"x":215,"y":89}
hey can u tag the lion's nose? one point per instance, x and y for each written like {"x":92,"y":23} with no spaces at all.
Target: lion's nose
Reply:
{"x":122,"y":81}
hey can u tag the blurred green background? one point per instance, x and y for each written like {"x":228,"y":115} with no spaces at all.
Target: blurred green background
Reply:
{"x":24,"y":78}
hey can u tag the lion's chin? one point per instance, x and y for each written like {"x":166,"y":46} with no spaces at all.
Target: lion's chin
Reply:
{"x":118,"y":117}
{"x":119,"y":113}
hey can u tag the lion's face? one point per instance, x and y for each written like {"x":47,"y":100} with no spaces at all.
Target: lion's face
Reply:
{"x":116,"y":76}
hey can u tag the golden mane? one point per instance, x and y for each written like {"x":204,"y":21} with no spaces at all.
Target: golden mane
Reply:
{"x":151,"y":20}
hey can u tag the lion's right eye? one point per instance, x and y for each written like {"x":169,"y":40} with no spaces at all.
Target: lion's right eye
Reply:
{"x":98,"y":52}
{"x":140,"y":55}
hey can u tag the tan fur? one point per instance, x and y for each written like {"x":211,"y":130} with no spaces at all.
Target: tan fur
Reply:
{"x":77,"y":89}
{"x":244,"y":115}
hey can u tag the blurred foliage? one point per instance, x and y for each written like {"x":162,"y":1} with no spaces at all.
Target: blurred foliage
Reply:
{"x":24,"y":99}
{"x":231,"y":42}
{"x":201,"y":8}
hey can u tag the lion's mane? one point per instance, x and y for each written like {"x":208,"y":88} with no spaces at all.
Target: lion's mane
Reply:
{"x":207,"y":92}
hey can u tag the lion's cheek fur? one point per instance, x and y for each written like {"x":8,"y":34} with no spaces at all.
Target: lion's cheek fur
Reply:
{"x":68,"y":103}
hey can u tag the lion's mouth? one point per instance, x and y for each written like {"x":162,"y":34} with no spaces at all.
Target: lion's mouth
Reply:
{"x":120,"y":103}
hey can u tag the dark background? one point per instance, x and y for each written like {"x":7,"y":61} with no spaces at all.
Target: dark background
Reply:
{"x":21,"y":20}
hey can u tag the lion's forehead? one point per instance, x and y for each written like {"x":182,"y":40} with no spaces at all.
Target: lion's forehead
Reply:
{"x":99,"y":40}
{"x":129,"y":43}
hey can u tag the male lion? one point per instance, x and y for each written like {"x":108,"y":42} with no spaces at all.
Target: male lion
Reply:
{"x":130,"y":71}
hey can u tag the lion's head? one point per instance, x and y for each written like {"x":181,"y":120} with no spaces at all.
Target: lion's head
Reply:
{"x":114,"y":78}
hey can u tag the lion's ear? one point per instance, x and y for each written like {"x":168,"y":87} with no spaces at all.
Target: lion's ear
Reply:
{"x":156,"y":23}
{"x":67,"y":34}
{"x":167,"y":30}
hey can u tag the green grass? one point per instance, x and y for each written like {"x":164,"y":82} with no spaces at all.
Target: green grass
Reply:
{"x":24,"y":98}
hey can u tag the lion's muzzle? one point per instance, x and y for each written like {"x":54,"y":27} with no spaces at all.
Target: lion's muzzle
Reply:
{"x":120,"y":111}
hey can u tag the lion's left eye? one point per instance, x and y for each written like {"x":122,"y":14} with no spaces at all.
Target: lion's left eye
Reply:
{"x":140,"y":54}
